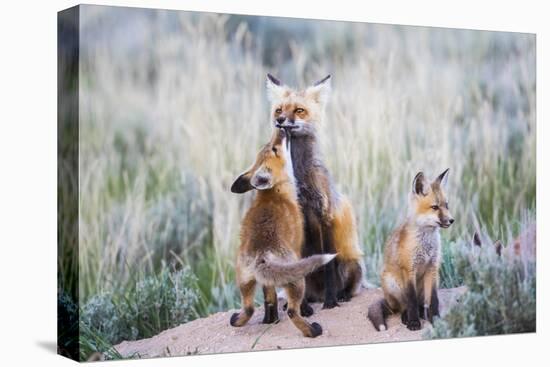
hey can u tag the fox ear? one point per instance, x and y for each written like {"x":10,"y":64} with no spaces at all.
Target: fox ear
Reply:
{"x":320,"y":90}
{"x":242,"y":184}
{"x":275,"y":89}
{"x":442,"y":178}
{"x":420,"y":186}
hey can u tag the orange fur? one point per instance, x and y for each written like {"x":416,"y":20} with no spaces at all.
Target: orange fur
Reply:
{"x":272,"y":239}
{"x":345,"y":232}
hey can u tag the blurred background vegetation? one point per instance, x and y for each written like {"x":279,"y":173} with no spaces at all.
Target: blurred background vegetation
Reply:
{"x":173,"y":107}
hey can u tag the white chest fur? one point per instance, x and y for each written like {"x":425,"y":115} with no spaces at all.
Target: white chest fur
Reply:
{"x":428,"y":250}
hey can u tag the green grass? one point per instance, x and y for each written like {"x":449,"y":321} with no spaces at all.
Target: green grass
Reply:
{"x":159,"y":150}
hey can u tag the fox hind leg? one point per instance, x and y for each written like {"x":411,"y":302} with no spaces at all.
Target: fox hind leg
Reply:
{"x":394,"y":297}
{"x":247,"y":295}
{"x":295,"y":294}
{"x":270,"y":305}
{"x":305,"y":309}
{"x":352,"y":274}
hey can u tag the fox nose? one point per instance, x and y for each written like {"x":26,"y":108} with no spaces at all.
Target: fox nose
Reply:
{"x":451,"y":221}
{"x":280,"y":120}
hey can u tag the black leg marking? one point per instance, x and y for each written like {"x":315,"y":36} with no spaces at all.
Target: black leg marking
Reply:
{"x":305,"y":309}
{"x":313,"y":244}
{"x":330,"y":286}
{"x":434,"y":306}
{"x":413,"y":319}
{"x":271,"y":315}
{"x":343,"y":296}
{"x":329,"y":269}
{"x":404,"y":318}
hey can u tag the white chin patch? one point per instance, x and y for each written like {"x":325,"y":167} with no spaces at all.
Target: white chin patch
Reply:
{"x":426,"y":221}
{"x":262,"y":186}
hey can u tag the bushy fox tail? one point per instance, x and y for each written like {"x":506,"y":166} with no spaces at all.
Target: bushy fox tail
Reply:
{"x":377,"y":314}
{"x":270,"y":270}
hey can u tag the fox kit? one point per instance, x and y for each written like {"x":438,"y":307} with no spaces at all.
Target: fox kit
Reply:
{"x":329,"y":219}
{"x":272,"y":238}
{"x":412,"y":257}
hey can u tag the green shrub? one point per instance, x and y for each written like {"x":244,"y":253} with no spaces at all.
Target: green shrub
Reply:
{"x":165,"y":301}
{"x":501,"y":296}
{"x":108,"y":318}
{"x":156,"y":303}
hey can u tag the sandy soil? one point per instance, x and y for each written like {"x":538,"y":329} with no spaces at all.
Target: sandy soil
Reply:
{"x":347,"y":324}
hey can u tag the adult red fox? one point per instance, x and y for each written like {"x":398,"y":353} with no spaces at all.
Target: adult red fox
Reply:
{"x":412,"y":256}
{"x":329,"y":219}
{"x":270,"y":252}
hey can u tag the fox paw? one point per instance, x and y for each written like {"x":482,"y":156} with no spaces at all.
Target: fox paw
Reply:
{"x":271,"y":314}
{"x":315,"y":330}
{"x":270,"y":319}
{"x":404,"y":318}
{"x":343,"y":296}
{"x":328,"y":304}
{"x":413,"y":324}
{"x":234,"y":319}
{"x":306,"y":310}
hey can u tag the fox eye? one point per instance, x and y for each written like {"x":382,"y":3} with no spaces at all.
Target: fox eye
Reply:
{"x":299,"y":110}
{"x":447,"y":205}
{"x":278,"y":111}
{"x":274,"y":149}
{"x":435,"y":207}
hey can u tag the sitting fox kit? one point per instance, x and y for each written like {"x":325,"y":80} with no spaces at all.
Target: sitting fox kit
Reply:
{"x":329,"y":219}
{"x":412,"y":258}
{"x":270,"y":253}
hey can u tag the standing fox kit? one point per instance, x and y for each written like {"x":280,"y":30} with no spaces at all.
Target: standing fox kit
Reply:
{"x":329,"y":219}
{"x":412,"y":257}
{"x":270,"y":253}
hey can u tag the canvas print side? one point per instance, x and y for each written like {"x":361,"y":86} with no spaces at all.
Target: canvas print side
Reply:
{"x":68,"y":58}
{"x":408,"y":145}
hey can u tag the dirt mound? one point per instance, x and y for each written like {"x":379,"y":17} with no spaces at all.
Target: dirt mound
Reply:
{"x":347,"y":324}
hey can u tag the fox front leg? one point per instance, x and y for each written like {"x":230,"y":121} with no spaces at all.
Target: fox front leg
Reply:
{"x":330,"y":286}
{"x":412,"y":318}
{"x":434,"y":306}
{"x":431,"y":300}
{"x":329,"y":270}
